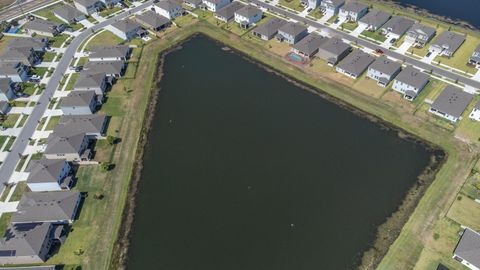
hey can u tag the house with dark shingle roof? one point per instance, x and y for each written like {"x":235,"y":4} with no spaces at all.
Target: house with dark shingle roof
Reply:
{"x":248,"y":15}
{"x":353,"y":11}
{"x":410,"y":82}
{"x":109,"y":53}
{"x":29,"y":243}
{"x":92,"y":82}
{"x":37,"y":44}
{"x":331,"y":7}
{"x":475,"y":58}
{"x":6,"y":90}
{"x":17,"y":72}
{"x":68,"y":14}
{"x":114,"y":69}
{"x":26,"y":56}
{"x":152,"y":20}
{"x":88,"y":7}
{"x":48,"y":175}
{"x":268,"y":29}
{"x":169,"y":9}
{"x":57,"y":207}
{"x":397,"y":26}
{"x":451,"y":103}
{"x":292,"y":32}
{"x":214,"y":5}
{"x":383,"y":70}
{"x":93,"y":125}
{"x":374,"y":20}
{"x":79,"y":103}
{"x":126,"y":29}
{"x":355,"y":64}
{"x":333,"y":50}
{"x":73,"y":148}
{"x":467,"y":250}
{"x":420,"y":34}
{"x":447,"y":43}
{"x":226,"y":13}
{"x":193,"y":3}
{"x":308,"y":46}
{"x":4,"y":107}
{"x":43,"y":27}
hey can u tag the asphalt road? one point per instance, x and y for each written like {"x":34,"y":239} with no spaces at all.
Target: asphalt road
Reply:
{"x":26,"y":6}
{"x":8,"y":167}
{"x":367,"y":44}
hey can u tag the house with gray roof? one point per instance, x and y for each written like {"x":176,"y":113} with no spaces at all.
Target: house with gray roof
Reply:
{"x":26,"y":56}
{"x":467,"y":250}
{"x":29,"y":243}
{"x":215,"y":5}
{"x":4,"y":107}
{"x":57,"y":207}
{"x":43,"y":27}
{"x":93,"y":125}
{"x":88,"y":7}
{"x":169,"y":9}
{"x":68,"y":14}
{"x":17,"y":72}
{"x":114,"y":69}
{"x":352,"y":11}
{"x":355,"y":64}
{"x":90,"y":81}
{"x":292,"y":32}
{"x":226,"y":13}
{"x":447,"y":43}
{"x":308,"y":46}
{"x":383,"y":70}
{"x":397,"y":26}
{"x":374,"y":20}
{"x":475,"y":58}
{"x":6,"y":90}
{"x":193,"y":3}
{"x":410,"y":82}
{"x":109,"y":53}
{"x":451,"y":103}
{"x":331,"y":7}
{"x":126,"y":29}
{"x":73,"y":148}
{"x":79,"y":103}
{"x":248,"y":15}
{"x":420,"y":34}
{"x":333,"y":50}
{"x":48,"y":175}
{"x":37,"y":44}
{"x":152,"y":20}
{"x":268,"y":29}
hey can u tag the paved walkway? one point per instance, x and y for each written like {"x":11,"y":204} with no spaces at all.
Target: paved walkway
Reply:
{"x":21,"y":110}
{"x":86,"y":23}
{"x":8,"y":207}
{"x":404,"y":47}
{"x":429,"y":59}
{"x":325,"y":18}
{"x":38,"y":134}
{"x":358,"y":30}
{"x":340,"y":22}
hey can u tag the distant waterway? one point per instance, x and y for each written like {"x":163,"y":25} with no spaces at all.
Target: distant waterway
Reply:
{"x":244,"y":170}
{"x":465,"y":10}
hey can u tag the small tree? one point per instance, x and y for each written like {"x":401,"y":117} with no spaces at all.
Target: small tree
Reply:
{"x":111,"y":140}
{"x":106,"y":166}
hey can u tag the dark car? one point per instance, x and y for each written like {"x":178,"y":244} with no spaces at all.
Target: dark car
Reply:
{"x":428,"y":54}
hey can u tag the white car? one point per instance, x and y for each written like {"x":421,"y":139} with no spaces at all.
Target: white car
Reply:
{"x":35,"y":77}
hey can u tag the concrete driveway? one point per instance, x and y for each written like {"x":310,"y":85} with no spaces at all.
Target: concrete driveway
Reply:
{"x":404,"y":47}
{"x":358,"y":30}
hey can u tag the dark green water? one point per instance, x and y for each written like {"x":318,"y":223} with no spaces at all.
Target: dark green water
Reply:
{"x":244,"y":170}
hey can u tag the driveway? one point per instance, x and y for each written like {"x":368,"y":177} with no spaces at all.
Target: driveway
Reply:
{"x":429,"y":59}
{"x":325,"y":18}
{"x":358,"y":30}
{"x":340,"y":21}
{"x":387,"y":43}
{"x":404,"y":47}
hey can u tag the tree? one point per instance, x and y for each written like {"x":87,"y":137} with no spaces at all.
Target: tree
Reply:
{"x":111,"y":140}
{"x":106,"y":166}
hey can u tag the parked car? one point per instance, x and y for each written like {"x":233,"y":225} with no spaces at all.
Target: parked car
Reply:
{"x":379,"y":51}
{"x":35,"y":77}
{"x":393,"y":40}
{"x":336,"y":21}
{"x":428,"y":54}
{"x":78,"y":69}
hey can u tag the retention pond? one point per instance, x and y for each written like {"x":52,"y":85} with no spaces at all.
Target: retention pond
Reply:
{"x":246,"y":170}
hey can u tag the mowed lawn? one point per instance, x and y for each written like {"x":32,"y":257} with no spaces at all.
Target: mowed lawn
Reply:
{"x":105,"y":38}
{"x":462,"y":55}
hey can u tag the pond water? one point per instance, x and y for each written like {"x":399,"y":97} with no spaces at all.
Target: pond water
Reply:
{"x":245,"y":170}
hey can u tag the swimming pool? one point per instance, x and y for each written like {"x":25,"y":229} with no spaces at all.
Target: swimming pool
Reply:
{"x":295,"y":57}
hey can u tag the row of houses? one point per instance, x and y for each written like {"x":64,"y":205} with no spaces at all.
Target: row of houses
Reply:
{"x":89,"y":7}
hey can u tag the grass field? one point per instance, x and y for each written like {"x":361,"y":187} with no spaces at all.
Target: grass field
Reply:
{"x":105,"y":38}
{"x":349,"y":26}
{"x":374,"y":35}
{"x":462,"y":55}
{"x":292,"y":4}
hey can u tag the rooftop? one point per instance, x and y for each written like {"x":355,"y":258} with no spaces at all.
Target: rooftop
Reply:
{"x":375,"y":18}
{"x":248,"y":11}
{"x":398,"y":25}
{"x":449,"y":40}
{"x":468,"y":248}
{"x":270,"y":27}
{"x":152,"y":19}
{"x":45,"y":170}
{"x":292,"y":28}
{"x":354,"y":6}
{"x":385,"y":65}
{"x":78,"y":98}
{"x":452,"y":101}
{"x":67,"y":12}
{"x":413,"y":77}
{"x":126,"y":25}
{"x":356,"y":62}
{"x":309,"y":44}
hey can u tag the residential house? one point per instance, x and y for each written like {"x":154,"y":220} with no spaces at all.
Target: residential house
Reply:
{"x":68,"y":14}
{"x":152,"y":20}
{"x":169,"y":9}
{"x":410,"y":82}
{"x":475,"y":58}
{"x":17,"y":72}
{"x":114,"y":69}
{"x":109,"y":53}
{"x":475,"y":114}
{"x":247,"y":16}
{"x":29,"y":243}
{"x":447,"y":43}
{"x":374,"y":20}
{"x":420,"y":34}
{"x":331,"y":7}
{"x":43,"y":27}
{"x":355,"y":64}
{"x":193,"y":3}
{"x":467,"y":250}
{"x":110,"y":3}
{"x":333,"y":50}
{"x":292,"y":32}
{"x":73,"y":148}
{"x":26,"y":56}
{"x":88,"y":7}
{"x":215,"y":5}
{"x":93,"y":125}
{"x":4,"y":107}
{"x":451,"y":103}
{"x":383,"y":70}
{"x":397,"y":26}
{"x":57,"y":207}
{"x":92,"y":82}
{"x":352,"y":11}
{"x":48,"y":175}
{"x":308,"y":46}
{"x":37,"y":44}
{"x":79,"y":103}
{"x":268,"y":29}
{"x":226,"y":13}
{"x":126,"y":29}
{"x":6,"y":90}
